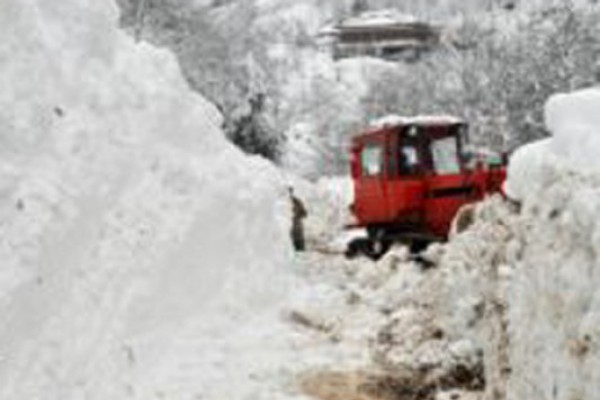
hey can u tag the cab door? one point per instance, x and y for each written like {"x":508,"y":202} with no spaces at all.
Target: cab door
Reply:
{"x":448,"y":186}
{"x":370,"y":195}
{"x":405,"y":187}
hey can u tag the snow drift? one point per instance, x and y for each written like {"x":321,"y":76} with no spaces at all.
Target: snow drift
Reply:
{"x":553,"y":301}
{"x":133,"y":238}
{"x":522,"y":282}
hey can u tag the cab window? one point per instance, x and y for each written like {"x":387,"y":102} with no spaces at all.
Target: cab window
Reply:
{"x":409,"y":154}
{"x":409,"y":159}
{"x":371,"y":159}
{"x":445,"y":156}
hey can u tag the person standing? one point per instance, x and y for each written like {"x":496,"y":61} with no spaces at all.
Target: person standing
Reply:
{"x":298,"y":214}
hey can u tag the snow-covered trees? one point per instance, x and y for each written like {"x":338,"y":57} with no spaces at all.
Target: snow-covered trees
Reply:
{"x":285,"y":99}
{"x":253,"y":132}
{"x":221,"y":57}
{"x":498,"y":71}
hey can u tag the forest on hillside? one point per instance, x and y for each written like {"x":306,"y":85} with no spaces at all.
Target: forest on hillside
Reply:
{"x":287,"y":99}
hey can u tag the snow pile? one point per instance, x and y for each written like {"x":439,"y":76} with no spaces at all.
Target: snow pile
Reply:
{"x":554,"y":304}
{"x":521,"y":284}
{"x":429,"y":335}
{"x":381,"y":317}
{"x":134,"y":240}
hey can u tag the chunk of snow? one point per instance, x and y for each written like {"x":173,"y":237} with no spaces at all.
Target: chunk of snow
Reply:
{"x":527,"y":168}
{"x":574,"y":123}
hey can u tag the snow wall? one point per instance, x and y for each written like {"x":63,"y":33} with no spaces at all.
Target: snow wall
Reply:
{"x":553,"y":300}
{"x":126,"y":220}
{"x":522,"y":283}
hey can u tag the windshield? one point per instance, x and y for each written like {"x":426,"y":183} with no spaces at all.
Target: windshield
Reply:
{"x":445,"y":156}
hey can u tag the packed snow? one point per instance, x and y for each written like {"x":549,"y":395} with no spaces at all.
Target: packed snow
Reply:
{"x":528,"y":272}
{"x":143,"y":256}
{"x":553,"y":302}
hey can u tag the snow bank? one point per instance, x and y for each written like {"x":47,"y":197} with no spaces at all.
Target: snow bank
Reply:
{"x":134,"y":240}
{"x":527,"y":295}
{"x":553,"y":302}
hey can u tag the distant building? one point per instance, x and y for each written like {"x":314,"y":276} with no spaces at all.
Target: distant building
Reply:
{"x":386,"y":34}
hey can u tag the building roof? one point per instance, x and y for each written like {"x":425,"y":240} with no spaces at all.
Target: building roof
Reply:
{"x":391,"y":121}
{"x":377,"y":22}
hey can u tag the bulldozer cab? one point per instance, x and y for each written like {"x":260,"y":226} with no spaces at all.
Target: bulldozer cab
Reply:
{"x":410,"y":175}
{"x":411,"y":178}
{"x":429,"y":149}
{"x":410,"y":150}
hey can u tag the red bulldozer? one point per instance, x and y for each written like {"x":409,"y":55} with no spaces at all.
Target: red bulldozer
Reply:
{"x":411,"y":177}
